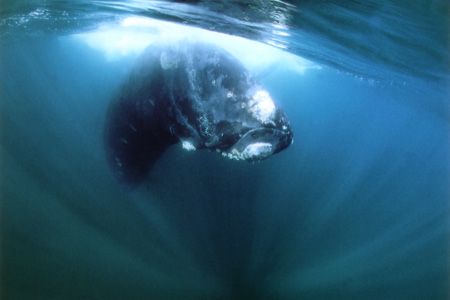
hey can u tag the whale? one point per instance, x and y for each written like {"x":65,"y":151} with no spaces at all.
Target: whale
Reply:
{"x":195,"y":94}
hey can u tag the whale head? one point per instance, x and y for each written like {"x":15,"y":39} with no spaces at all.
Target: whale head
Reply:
{"x":259,"y":129}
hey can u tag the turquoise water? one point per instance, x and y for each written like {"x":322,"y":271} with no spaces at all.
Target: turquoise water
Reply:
{"x":356,"y":208}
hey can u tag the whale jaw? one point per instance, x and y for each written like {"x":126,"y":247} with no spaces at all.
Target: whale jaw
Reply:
{"x":259,"y":144}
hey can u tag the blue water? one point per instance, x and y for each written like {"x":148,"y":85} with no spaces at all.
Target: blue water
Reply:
{"x":356,"y":208}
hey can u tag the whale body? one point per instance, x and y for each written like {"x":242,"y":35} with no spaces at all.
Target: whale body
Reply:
{"x":197,"y":94}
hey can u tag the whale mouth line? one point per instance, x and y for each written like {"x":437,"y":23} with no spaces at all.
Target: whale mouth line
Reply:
{"x":258,"y":135}
{"x":252,"y":152}
{"x":256,"y":144}
{"x":258,"y":150}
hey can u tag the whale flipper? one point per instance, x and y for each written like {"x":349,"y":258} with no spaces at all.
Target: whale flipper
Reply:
{"x":134,"y":139}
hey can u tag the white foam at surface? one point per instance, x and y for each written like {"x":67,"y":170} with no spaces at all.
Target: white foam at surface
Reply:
{"x":133,"y":34}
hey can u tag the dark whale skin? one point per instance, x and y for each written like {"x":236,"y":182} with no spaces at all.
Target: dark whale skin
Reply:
{"x":192,"y":92}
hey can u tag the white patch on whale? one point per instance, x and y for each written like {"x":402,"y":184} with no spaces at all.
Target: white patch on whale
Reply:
{"x":252,"y":151}
{"x":188,"y":146}
{"x":256,"y":150}
{"x":261,"y":106}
